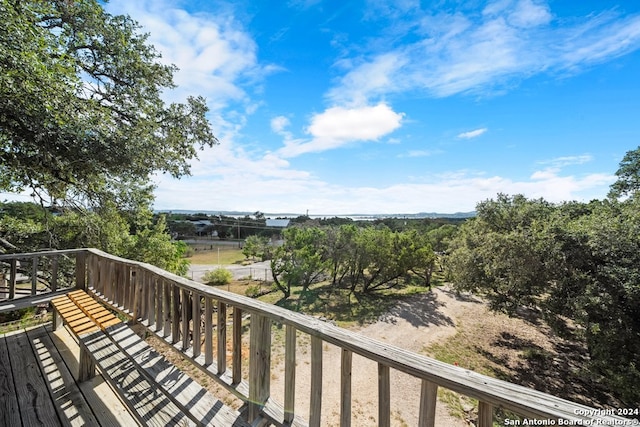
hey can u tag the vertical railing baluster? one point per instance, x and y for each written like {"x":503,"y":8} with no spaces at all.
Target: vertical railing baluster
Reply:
{"x":290,"y":374}
{"x":208,"y":331}
{"x":197,"y":318}
{"x":222,"y":337}
{"x":237,"y":345}
{"x":259,"y":364}
{"x":159,"y":304}
{"x":81,"y":270}
{"x":428,"y":399}
{"x":12,"y":278}
{"x":345,"y":388}
{"x":166,"y":307}
{"x":384,"y":396}
{"x":315,"y":409}
{"x":175,"y":314}
{"x":485,"y":414}
{"x":34,"y":275}
{"x":54,"y":273}
{"x":186,"y":308}
{"x":151,"y":302}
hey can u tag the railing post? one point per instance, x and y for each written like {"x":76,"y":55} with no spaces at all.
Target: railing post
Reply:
{"x":428,"y":399}
{"x":259,"y":364}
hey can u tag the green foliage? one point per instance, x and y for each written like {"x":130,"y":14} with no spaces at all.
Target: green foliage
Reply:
{"x":218,"y":277}
{"x":575,"y":261}
{"x":81,"y":113}
{"x":257,"y":247}
{"x":628,"y":182}
{"x":359,"y":259}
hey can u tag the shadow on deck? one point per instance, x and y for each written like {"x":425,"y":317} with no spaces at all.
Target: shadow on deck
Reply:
{"x":38,"y":383}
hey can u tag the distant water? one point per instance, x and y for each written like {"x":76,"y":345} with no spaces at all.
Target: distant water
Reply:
{"x":355,"y":217}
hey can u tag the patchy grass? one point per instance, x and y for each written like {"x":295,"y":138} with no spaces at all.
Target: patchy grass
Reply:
{"x":227,"y":256}
{"x":21,"y":319}
{"x":340,"y":305}
{"x":519,"y":352}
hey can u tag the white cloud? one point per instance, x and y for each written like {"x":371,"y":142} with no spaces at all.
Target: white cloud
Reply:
{"x":460,"y":52}
{"x":453,"y":192}
{"x":279,"y":124}
{"x":339,"y":126}
{"x":215,"y":55}
{"x":472,"y":133}
{"x":562,"y":161}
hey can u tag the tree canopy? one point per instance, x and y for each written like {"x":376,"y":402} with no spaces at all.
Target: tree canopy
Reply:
{"x":82,"y":117}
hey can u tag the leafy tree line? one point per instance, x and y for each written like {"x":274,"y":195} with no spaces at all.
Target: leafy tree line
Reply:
{"x":575,"y":264}
{"x":27,"y":227}
{"x":83,"y":127}
{"x":361,"y":259}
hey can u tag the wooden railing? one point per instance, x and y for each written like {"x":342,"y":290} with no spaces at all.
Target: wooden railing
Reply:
{"x":167,"y":304}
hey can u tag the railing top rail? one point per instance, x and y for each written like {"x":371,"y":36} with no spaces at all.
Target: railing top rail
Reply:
{"x":523,"y":400}
{"x":27,"y":255}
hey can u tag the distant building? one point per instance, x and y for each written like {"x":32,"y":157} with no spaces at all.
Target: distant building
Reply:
{"x":278,"y":223}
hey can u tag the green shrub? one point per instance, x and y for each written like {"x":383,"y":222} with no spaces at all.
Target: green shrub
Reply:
{"x":218,"y":277}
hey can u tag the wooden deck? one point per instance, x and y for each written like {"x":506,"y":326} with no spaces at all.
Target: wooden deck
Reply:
{"x":38,"y":385}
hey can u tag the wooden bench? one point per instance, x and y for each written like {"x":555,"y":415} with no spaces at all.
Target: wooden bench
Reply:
{"x":157,"y":392}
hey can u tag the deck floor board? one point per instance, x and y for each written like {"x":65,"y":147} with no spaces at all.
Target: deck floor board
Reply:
{"x":37,"y":386}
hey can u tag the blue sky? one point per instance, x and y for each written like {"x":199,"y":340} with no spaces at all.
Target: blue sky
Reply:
{"x":379,"y":106}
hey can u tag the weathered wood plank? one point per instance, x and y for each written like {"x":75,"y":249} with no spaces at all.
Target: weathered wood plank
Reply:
{"x":290,"y":374}
{"x":81,"y":270}
{"x":166,"y":307}
{"x":384,"y":396}
{"x":221,"y":329}
{"x":196,"y":315}
{"x":34,"y":402}
{"x":259,"y":364}
{"x":315,"y":410}
{"x":104,"y":403}
{"x":69,"y":402}
{"x":159,"y":303}
{"x":428,"y":400}
{"x":201,"y":406}
{"x":208,"y":331}
{"x":149,"y":404}
{"x":9,"y":415}
{"x":34,"y":275}
{"x":185,"y":305}
{"x":175,"y":314}
{"x":237,"y":345}
{"x":345,"y":388}
{"x":485,"y":414}
{"x":54,"y":274}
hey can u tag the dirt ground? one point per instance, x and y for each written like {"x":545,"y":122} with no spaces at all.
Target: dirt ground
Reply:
{"x":412,"y":325}
{"x":441,"y":322}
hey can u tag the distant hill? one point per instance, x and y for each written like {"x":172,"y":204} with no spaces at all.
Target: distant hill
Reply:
{"x":353,"y":216}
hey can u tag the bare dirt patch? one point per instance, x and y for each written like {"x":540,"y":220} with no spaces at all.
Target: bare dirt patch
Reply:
{"x":457,"y":329}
